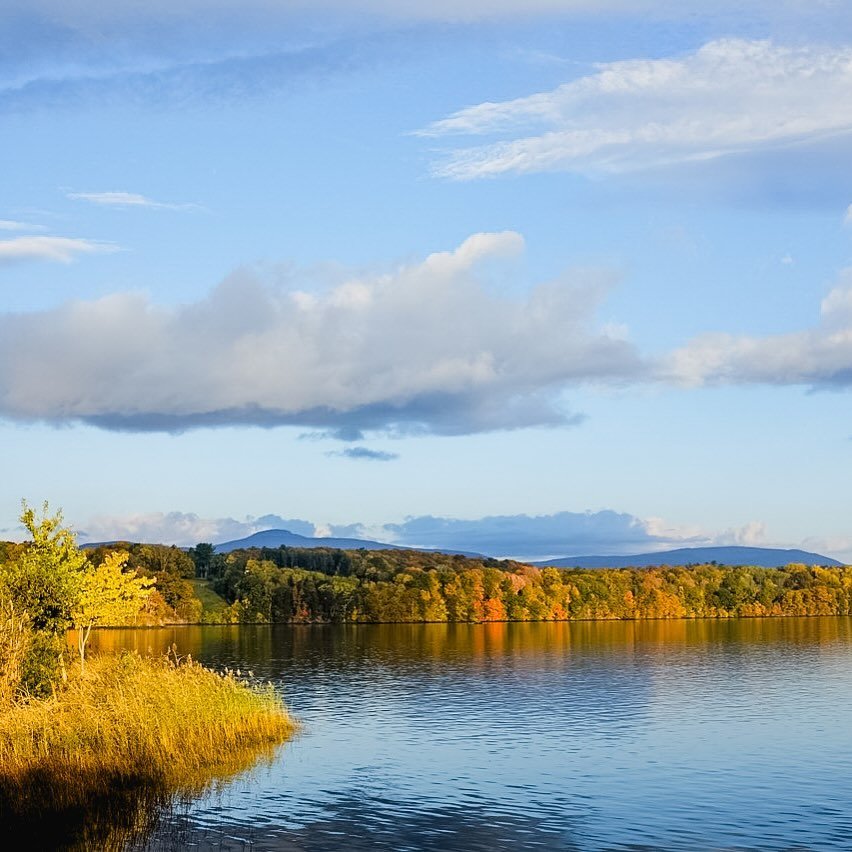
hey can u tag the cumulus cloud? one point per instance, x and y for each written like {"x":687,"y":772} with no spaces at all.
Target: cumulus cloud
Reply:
{"x":364,"y":454}
{"x":58,"y":249}
{"x":183,"y":528}
{"x":533,"y":537}
{"x":538,"y":537}
{"x":819,"y":357}
{"x":127,"y":199}
{"x":426,"y":347}
{"x":731,"y":96}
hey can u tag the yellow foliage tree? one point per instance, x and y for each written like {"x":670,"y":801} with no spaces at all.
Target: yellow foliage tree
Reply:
{"x":109,"y":595}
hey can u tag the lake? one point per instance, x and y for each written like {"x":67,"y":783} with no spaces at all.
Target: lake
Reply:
{"x":569,"y":736}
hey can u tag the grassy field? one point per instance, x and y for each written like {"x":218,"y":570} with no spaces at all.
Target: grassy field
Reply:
{"x":212,"y":605}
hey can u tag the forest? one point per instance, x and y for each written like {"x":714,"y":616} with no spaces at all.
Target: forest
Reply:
{"x":291,"y":585}
{"x":322,"y":585}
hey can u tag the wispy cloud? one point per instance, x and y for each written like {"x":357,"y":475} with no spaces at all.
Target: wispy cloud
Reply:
{"x":819,"y":357}
{"x":192,"y":69}
{"x":364,"y":454}
{"x":847,"y":219}
{"x":58,"y":249}
{"x":117,"y":18}
{"x":13,"y":225}
{"x":129,"y":199}
{"x":425,"y":347}
{"x":731,"y":96}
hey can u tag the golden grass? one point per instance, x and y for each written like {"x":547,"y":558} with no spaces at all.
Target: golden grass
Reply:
{"x":131,"y":732}
{"x":15,"y":641}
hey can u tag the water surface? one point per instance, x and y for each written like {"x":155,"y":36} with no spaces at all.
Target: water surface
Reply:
{"x":595,"y":735}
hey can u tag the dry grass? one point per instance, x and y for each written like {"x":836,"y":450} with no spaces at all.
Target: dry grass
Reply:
{"x":15,"y":641}
{"x":131,"y":730}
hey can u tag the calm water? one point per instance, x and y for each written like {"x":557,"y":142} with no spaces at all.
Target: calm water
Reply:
{"x":655,"y":735}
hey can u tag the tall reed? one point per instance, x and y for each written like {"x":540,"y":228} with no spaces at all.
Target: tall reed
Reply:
{"x":15,"y":643}
{"x":145,"y":729}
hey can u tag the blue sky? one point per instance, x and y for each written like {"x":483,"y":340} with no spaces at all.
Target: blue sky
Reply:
{"x":579,"y":271}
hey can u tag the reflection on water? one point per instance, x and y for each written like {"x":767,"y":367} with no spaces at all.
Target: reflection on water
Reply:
{"x":111,"y":812}
{"x":591,"y":735}
{"x":108,"y":822}
{"x":361,"y":823}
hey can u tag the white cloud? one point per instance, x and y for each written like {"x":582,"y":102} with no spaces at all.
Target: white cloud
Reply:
{"x":127,"y":199}
{"x":531,"y":536}
{"x":847,"y":219}
{"x":839,"y":546}
{"x":820,"y":356}
{"x":426,"y":347}
{"x":752,"y":534}
{"x":165,"y":52}
{"x":58,"y":249}
{"x":730,"y":96}
{"x":604,"y":532}
{"x":538,"y":537}
{"x":184,"y":528}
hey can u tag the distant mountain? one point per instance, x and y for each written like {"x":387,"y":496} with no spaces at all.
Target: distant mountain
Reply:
{"x":279,"y":538}
{"x":767,"y":557}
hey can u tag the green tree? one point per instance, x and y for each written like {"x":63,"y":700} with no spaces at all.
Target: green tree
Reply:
{"x":202,"y":555}
{"x":44,"y":578}
{"x":42,"y":581}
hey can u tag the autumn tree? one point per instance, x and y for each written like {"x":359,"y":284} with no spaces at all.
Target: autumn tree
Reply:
{"x":109,"y":595}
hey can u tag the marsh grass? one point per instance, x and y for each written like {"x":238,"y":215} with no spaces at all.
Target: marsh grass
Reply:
{"x":15,"y":643}
{"x":95,"y":764}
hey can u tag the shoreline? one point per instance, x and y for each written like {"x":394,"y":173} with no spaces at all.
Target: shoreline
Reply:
{"x":113,"y":627}
{"x":127,"y":737}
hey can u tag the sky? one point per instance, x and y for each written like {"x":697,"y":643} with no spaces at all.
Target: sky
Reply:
{"x":554,"y":277}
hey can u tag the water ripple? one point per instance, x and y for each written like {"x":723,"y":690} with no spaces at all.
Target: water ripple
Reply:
{"x":663,"y":735}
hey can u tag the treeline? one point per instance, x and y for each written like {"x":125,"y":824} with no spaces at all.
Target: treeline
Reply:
{"x":173,"y":598}
{"x":308,"y":585}
{"x":290,"y":585}
{"x":369,"y":564}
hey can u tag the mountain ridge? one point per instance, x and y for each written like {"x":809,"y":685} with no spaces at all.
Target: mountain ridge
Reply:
{"x":766,"y":557}
{"x":284,"y":538}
